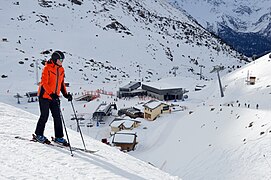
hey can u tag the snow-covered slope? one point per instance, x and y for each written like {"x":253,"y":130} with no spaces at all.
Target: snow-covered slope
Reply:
{"x":109,"y":41}
{"x":208,"y":140}
{"x":241,"y":19}
{"x":28,"y":160}
{"x":216,"y":138}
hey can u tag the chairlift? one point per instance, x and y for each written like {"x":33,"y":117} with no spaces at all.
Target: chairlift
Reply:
{"x":81,"y":119}
{"x":18,"y":96}
{"x":89,"y":124}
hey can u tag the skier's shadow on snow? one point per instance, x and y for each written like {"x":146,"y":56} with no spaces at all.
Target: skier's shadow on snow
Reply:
{"x":106,"y":165}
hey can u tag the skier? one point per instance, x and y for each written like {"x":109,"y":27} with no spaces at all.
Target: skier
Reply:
{"x":52,"y":82}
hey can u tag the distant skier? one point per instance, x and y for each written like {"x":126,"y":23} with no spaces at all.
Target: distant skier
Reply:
{"x":52,"y":82}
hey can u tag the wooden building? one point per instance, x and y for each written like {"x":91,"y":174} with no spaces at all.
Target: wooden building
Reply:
{"x":119,"y":124}
{"x":126,"y":140}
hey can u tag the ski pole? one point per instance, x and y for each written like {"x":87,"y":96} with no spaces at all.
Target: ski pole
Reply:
{"x":78,"y":127}
{"x":62,"y":119}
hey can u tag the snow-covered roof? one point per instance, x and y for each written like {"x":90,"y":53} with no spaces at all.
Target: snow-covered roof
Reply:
{"x":171,"y":83}
{"x":152,"y":104}
{"x":130,"y":84}
{"x":124,"y":137}
{"x":102,"y":107}
{"x":116,"y":123}
{"x":128,"y":123}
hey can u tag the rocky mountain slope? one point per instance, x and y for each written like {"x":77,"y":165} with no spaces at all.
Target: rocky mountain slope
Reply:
{"x":107,"y":41}
{"x":243,"y":24}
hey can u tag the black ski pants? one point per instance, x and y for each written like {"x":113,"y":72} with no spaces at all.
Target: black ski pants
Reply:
{"x":54,"y":107}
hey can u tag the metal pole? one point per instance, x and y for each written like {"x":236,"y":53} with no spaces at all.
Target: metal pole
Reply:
{"x":139,"y":71}
{"x":78,"y":127}
{"x":220,"y":85}
{"x":37,"y":72}
{"x":62,"y":119}
{"x":217,"y":69}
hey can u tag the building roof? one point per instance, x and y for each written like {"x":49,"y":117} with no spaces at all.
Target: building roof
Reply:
{"x":102,"y":107}
{"x":124,"y":137}
{"x":128,"y":123}
{"x":130,"y":85}
{"x":131,"y":110}
{"x":116,"y":123}
{"x":152,"y":104}
{"x":172,"y":83}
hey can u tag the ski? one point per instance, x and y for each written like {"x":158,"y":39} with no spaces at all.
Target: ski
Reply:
{"x":58,"y":145}
{"x":34,"y":140}
{"x":75,"y":148}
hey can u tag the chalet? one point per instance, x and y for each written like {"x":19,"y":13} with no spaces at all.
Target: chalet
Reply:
{"x":119,"y":124}
{"x":131,"y":90}
{"x":126,"y":140}
{"x":154,"y":108}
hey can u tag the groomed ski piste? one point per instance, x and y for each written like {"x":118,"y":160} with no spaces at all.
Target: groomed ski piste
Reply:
{"x":32,"y":160}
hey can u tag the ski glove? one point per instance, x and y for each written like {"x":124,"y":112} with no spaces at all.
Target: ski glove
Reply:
{"x":54,"y":96}
{"x":68,"y":96}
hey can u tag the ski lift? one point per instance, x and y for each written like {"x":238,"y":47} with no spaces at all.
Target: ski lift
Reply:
{"x":18,"y":96}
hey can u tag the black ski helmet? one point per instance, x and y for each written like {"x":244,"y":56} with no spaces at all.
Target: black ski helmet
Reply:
{"x":57,"y":55}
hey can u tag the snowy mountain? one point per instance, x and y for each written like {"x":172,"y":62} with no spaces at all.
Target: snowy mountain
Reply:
{"x":107,"y":44}
{"x":243,"y":24}
{"x":102,"y":38}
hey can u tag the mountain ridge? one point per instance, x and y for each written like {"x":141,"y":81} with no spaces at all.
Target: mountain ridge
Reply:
{"x":140,"y":33}
{"x":244,"y":18}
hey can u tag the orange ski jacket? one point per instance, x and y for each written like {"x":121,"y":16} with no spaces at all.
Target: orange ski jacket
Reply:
{"x":52,"y":81}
